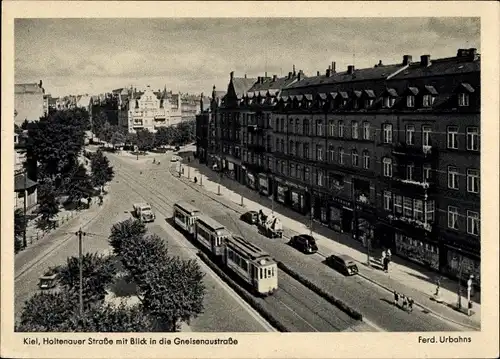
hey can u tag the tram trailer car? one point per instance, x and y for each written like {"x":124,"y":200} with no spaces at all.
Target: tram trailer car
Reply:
{"x":211,"y":235}
{"x":185,"y":215}
{"x":257,"y":268}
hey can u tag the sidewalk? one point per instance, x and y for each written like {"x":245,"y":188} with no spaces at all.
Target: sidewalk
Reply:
{"x":404,"y":276}
{"x":47,"y":243}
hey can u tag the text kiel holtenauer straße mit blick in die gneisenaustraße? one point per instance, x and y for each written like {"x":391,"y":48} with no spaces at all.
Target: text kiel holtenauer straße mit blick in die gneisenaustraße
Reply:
{"x":130,"y":341}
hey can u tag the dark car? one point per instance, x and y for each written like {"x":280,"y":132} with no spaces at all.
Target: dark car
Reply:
{"x":250,"y":217}
{"x":304,"y":243}
{"x":343,"y":263}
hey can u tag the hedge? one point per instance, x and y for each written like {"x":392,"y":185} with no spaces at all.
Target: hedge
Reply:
{"x":244,"y":294}
{"x":337,"y":302}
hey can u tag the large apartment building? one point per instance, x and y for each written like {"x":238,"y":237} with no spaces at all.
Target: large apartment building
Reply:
{"x":147,"y":109}
{"x":29,"y":102}
{"x":390,"y":153}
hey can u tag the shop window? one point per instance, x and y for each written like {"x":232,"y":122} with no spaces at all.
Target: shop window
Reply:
{"x":452,"y":217}
{"x":473,"y":223}
{"x":387,"y":200}
{"x":398,"y":204}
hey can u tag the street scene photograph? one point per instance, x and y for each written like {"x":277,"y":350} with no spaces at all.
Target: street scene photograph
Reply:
{"x":247,"y":175}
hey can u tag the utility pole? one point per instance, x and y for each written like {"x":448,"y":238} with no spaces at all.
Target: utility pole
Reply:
{"x":25,"y":224}
{"x":459,"y":292}
{"x":80,"y":234}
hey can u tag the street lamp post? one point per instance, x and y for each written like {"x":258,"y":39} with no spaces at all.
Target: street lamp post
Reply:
{"x":469,"y":287}
{"x":459,"y":293}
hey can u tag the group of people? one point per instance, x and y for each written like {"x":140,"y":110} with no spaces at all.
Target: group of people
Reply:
{"x":407,"y":302}
{"x":386,"y":258}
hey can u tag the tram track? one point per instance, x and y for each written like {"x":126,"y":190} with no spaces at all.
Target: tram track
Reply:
{"x":296,"y":305}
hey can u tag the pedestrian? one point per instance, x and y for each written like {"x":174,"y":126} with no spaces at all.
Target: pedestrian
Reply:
{"x":405,"y":302}
{"x":384,"y":255}
{"x":396,"y":298}
{"x":386,"y":264}
{"x":154,"y":160}
{"x":195,"y":180}
{"x":389,"y":254}
{"x":410,"y":304}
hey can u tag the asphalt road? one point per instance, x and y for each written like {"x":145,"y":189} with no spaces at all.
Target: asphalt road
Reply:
{"x":224,"y":310}
{"x":373,"y":302}
{"x":300,"y":309}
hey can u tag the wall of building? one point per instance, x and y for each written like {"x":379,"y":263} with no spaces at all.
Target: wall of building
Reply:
{"x":29,"y":106}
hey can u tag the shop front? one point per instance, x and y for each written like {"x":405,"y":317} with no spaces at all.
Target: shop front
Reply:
{"x":292,"y":195}
{"x":264,"y":185}
{"x":320,"y":205}
{"x":417,"y":250}
{"x":460,"y":257}
{"x":250,"y":180}
{"x":281,"y":193}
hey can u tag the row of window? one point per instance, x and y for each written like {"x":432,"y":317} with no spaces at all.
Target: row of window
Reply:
{"x":417,"y":209}
{"x":473,"y":221}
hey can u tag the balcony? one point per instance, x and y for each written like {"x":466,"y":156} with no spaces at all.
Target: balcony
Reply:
{"x":421,"y":152}
{"x":417,"y":187}
{"x":410,"y":223}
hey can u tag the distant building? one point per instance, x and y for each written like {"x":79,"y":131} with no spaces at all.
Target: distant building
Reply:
{"x":148,"y":110}
{"x":29,"y":102}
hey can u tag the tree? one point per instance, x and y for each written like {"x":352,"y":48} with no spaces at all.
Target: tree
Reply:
{"x":184,"y":132}
{"x":98,"y":123}
{"x":98,"y":274}
{"x":131,"y":139}
{"x":159,"y":278}
{"x":17,"y":129}
{"x":163,"y":136}
{"x":102,"y":171}
{"x":124,"y":231}
{"x":47,"y":203}
{"x":145,"y":139}
{"x":79,"y":186}
{"x":58,"y":312}
{"x":24,"y":125}
{"x":117,"y":138}
{"x":19,"y":224}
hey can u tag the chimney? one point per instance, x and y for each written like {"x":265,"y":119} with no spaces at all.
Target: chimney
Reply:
{"x":231,"y":75}
{"x":275,"y":77}
{"x":40,"y":85}
{"x":350,"y":69}
{"x":265,"y":75}
{"x":317,"y":73}
{"x":245,"y":75}
{"x":290,"y":75}
{"x":334,"y":65}
{"x":407,"y":59}
{"x":425,"y":60}
{"x":294,"y":73}
{"x":328,"y":71}
{"x":301,"y":75}
{"x":379,"y":63}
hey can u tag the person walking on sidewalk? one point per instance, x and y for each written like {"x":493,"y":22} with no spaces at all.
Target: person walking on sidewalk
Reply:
{"x":405,"y":302}
{"x":410,"y":304}
{"x":389,"y":254}
{"x":396,"y":299}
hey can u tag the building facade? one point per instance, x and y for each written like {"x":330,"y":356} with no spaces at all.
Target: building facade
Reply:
{"x":29,"y":102}
{"x":390,"y":154}
{"x":148,"y":110}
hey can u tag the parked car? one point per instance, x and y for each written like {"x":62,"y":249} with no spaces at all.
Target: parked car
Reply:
{"x":174,"y":159}
{"x":304,"y":243}
{"x":342,"y":263}
{"x":251,"y":217}
{"x":48,"y":281}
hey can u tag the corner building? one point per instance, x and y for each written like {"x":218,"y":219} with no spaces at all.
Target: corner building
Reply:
{"x":390,"y":154}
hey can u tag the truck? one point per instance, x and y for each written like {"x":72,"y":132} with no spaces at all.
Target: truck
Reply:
{"x":270,"y":226}
{"x":144,"y":212}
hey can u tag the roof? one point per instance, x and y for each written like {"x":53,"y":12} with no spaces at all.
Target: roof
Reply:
{"x":220,"y":94}
{"x":446,"y":66}
{"x":370,"y":73}
{"x":187,"y":206}
{"x":242,"y":84}
{"x":270,"y":84}
{"x":246,"y":247}
{"x":19,"y":183}
{"x":211,"y":222}
{"x":28,"y":88}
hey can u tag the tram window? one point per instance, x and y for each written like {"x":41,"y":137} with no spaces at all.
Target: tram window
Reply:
{"x":269,"y":273}
{"x":244,"y":265}
{"x":272,"y":271}
{"x":260,"y":273}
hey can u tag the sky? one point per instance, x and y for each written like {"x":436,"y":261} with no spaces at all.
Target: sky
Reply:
{"x":78,"y":56}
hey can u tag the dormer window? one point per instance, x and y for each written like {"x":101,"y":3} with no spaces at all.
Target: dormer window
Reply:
{"x":389,"y":101}
{"x":355,"y":103}
{"x":369,"y":98}
{"x":410,"y":101}
{"x":463,"y":99}
{"x":428,"y":100}
{"x":368,"y":102}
